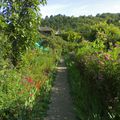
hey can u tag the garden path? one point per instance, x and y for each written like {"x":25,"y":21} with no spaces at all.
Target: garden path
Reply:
{"x":61,"y":107}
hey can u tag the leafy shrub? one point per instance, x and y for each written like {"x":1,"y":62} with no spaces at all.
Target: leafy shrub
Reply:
{"x":109,"y":34}
{"x":71,"y":36}
{"x":20,"y":88}
{"x":94,"y":80}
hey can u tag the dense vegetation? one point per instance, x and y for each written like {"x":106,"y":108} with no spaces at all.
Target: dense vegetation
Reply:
{"x":91,"y":46}
{"x":94,"y":81}
{"x":79,"y":24}
{"x":63,"y":22}
{"x":26,"y":71}
{"x":93,"y":60}
{"x":94,"y":73}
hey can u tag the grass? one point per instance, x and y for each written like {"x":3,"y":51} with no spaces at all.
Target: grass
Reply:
{"x":87,"y":104}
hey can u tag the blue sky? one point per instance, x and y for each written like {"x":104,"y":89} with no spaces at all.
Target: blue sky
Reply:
{"x":80,"y":7}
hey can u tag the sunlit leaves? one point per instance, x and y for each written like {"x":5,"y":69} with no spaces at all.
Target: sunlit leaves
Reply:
{"x":23,"y":19}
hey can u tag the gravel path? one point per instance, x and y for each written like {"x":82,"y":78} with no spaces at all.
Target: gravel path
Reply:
{"x":60,"y":107}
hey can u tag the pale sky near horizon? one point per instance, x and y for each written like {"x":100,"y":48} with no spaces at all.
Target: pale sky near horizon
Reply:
{"x":80,"y":7}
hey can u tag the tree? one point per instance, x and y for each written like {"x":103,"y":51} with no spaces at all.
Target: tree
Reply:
{"x":106,"y":33}
{"x":23,"y":19}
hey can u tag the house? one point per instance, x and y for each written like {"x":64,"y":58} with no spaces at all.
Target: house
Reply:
{"x":45,"y":30}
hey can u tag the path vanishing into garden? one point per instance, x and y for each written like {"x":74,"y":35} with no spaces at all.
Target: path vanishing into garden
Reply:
{"x":61,"y":107}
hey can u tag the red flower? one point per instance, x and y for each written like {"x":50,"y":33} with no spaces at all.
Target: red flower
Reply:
{"x":31,"y":95}
{"x":29,"y":79}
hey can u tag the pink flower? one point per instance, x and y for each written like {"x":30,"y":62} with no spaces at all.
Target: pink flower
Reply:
{"x":107,"y":57}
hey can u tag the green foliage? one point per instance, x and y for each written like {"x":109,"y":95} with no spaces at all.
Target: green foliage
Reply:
{"x":25,"y":83}
{"x":87,"y":104}
{"x":74,"y":37}
{"x":80,"y":24}
{"x":109,"y":34}
{"x":94,"y":81}
{"x":66,"y":23}
{"x":71,"y":36}
{"x":94,"y":73}
{"x":3,"y":35}
{"x":94,"y":64}
{"x":22,"y":89}
{"x":22,"y":19}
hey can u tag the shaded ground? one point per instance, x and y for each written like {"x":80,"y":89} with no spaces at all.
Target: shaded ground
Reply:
{"x":61,"y":105}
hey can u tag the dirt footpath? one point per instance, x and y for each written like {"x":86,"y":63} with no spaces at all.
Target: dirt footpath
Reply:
{"x":61,"y":107}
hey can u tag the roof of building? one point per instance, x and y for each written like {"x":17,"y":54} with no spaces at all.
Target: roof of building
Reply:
{"x":45,"y":29}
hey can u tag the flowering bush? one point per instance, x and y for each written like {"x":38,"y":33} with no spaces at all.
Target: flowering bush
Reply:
{"x":21,"y":87}
{"x":95,"y":81}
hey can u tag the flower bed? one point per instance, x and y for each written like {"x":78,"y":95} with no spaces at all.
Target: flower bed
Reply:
{"x":24,"y":91}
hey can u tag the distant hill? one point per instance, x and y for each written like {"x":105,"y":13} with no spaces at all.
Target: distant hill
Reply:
{"x":79,"y":24}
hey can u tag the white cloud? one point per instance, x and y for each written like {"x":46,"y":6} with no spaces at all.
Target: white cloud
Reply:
{"x":80,"y":8}
{"x":77,"y":11}
{"x":53,"y":9}
{"x":116,"y":8}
